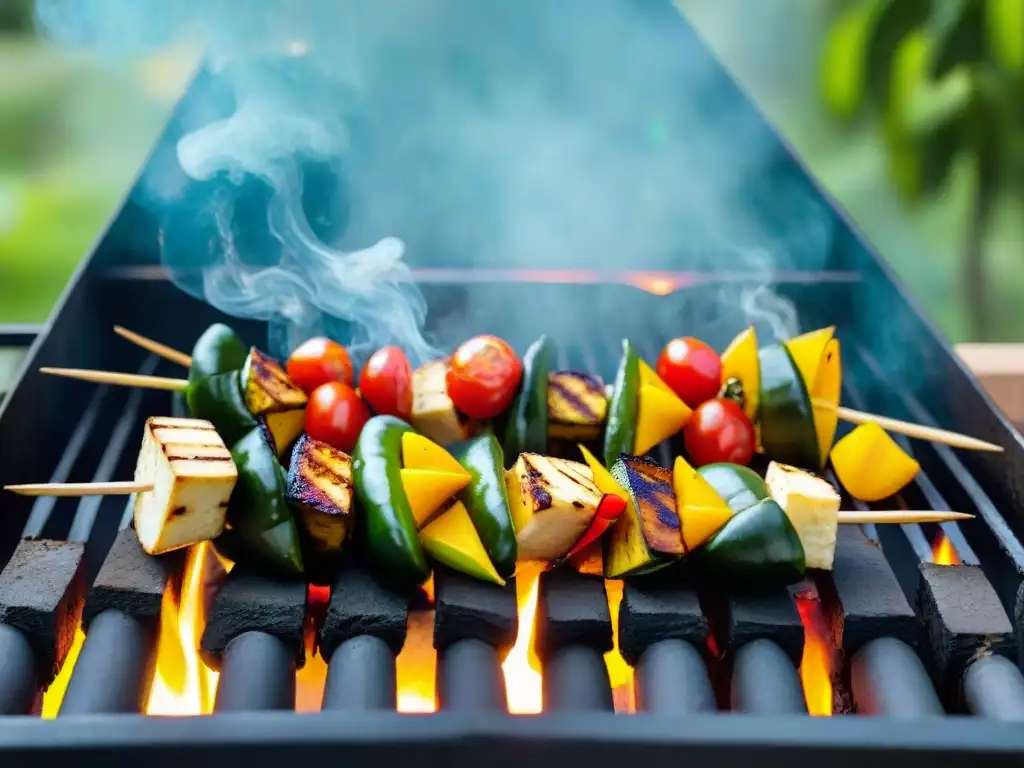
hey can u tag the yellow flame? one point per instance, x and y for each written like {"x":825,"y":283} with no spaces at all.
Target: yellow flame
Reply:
{"x":182,"y":683}
{"x":416,"y":665}
{"x":619,"y":672}
{"x":816,"y":664}
{"x":55,"y":693}
{"x":943,"y":551}
{"x":524,"y":690}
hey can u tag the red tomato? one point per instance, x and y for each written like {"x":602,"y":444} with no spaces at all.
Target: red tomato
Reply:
{"x":719,"y":430}
{"x":483,"y":377}
{"x":317,"y":362}
{"x":692,"y":370}
{"x":336,"y":415}
{"x":386,"y":383}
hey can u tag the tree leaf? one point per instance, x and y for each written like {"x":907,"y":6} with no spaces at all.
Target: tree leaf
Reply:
{"x":896,"y":20}
{"x":1005,"y":25}
{"x":963,"y":40}
{"x":844,"y":62}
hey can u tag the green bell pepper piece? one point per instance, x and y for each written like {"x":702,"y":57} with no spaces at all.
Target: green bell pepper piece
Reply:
{"x":527,"y":421}
{"x":386,"y":519}
{"x":620,"y":433}
{"x":740,"y":487}
{"x":218,"y":350}
{"x":218,"y":399}
{"x":787,"y":420}
{"x":757,"y":547}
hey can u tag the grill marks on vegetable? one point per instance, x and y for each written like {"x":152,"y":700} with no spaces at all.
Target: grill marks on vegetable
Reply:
{"x":577,"y":405}
{"x":651,"y":487}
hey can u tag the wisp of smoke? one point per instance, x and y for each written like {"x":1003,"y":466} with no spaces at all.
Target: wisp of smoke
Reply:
{"x":569,"y":133}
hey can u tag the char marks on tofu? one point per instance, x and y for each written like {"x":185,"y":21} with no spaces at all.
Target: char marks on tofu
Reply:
{"x":320,"y":487}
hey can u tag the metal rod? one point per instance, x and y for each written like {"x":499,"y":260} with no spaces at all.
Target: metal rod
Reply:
{"x":111,"y":672}
{"x":887,"y":678}
{"x":576,"y":680}
{"x":994,"y":688}
{"x":765,"y":682}
{"x":17,"y":672}
{"x":257,"y":673}
{"x":671,"y":679}
{"x":469,"y":678}
{"x":361,"y":676}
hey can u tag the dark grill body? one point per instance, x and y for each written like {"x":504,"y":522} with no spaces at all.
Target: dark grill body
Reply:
{"x":909,"y":640}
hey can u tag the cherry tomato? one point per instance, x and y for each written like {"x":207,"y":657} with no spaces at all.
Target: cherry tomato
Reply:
{"x":483,"y":377}
{"x":386,"y":383}
{"x":692,"y":370}
{"x":317,"y":362}
{"x":719,"y":430}
{"x":336,"y":415}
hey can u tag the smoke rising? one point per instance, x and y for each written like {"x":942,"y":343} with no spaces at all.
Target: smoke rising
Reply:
{"x":567,"y":133}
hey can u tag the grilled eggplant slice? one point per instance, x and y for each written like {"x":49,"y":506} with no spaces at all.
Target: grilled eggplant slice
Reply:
{"x":320,"y":489}
{"x":193,"y":476}
{"x":552,"y":502}
{"x":433,"y":412}
{"x":647,"y":536}
{"x":577,"y":405}
{"x":266,"y":386}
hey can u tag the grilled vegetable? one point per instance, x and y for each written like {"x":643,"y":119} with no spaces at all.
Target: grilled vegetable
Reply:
{"x":483,"y":376}
{"x":433,"y":413}
{"x":262,"y":527}
{"x":812,"y":506}
{"x":719,"y":430}
{"x":486,"y":500}
{"x":218,"y":399}
{"x":218,"y":350}
{"x":430,"y":476}
{"x":871,"y":465}
{"x":787,"y":421}
{"x":741,"y":372}
{"x":702,"y":511}
{"x":336,"y":415}
{"x":659,"y":413}
{"x":387,"y":522}
{"x":620,"y":434}
{"x":691,"y":369}
{"x":266,"y":386}
{"x":756,"y":546}
{"x":576,"y":405}
{"x":193,"y":476}
{"x":452,"y":539}
{"x":526,"y":428}
{"x":647,"y":535}
{"x":816,"y":356}
{"x":318,"y":361}
{"x":320,"y":489}
{"x":552,"y":502}
{"x":282,"y":429}
{"x":385,"y":383}
{"x":608,"y":512}
{"x":739,"y":487}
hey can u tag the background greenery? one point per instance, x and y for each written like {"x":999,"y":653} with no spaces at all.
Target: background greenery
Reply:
{"x":909,"y":111}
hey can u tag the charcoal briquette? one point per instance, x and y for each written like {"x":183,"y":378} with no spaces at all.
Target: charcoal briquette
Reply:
{"x":766,"y":614}
{"x":470,"y":609}
{"x":251,"y":602}
{"x":574,"y":611}
{"x":863,"y":599}
{"x":963,"y":618}
{"x":659,"y":611}
{"x":360,"y":605}
{"x":41,"y":594}
{"x":130,"y":581}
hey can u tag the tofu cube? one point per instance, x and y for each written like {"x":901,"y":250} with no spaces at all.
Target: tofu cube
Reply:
{"x":812,"y":506}
{"x":433,"y":412}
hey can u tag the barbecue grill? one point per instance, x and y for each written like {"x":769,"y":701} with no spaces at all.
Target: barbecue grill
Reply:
{"x":918,"y":622}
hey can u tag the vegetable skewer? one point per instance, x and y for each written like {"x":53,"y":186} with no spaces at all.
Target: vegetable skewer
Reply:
{"x":919,"y":431}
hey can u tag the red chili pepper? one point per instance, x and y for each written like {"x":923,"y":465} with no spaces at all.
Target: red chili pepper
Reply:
{"x":608,"y":511}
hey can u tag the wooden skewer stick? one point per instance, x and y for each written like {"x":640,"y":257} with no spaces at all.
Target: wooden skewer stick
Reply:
{"x":78,"y":489}
{"x":919,"y":431}
{"x":890,"y":517}
{"x":120,"y":379}
{"x":161,"y":350}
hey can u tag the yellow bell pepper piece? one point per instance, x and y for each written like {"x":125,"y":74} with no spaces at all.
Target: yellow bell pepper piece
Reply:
{"x":871,"y":465}
{"x":702,"y":512}
{"x":739,"y":361}
{"x":818,"y":359}
{"x":661,"y":413}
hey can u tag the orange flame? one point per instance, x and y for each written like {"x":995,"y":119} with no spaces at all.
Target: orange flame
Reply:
{"x":311,"y":679}
{"x":619,"y":672}
{"x":54,"y":695}
{"x":524,"y":690}
{"x":416,"y":665}
{"x":943,"y":551}
{"x":817,"y":662}
{"x":182,"y":683}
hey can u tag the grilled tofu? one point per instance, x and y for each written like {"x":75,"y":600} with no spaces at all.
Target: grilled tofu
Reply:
{"x":193,"y":476}
{"x":433,"y":412}
{"x":552,"y":503}
{"x":577,"y":405}
{"x":812,"y":506}
{"x":267,"y":388}
{"x":320,"y":488}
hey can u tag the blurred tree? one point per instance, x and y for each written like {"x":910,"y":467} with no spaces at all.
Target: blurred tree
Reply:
{"x":944,"y":81}
{"x":16,"y":15}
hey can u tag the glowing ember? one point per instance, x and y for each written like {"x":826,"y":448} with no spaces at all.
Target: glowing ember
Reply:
{"x":416,"y":665}
{"x":55,"y":693}
{"x":182,"y":683}
{"x":310,"y":680}
{"x":619,"y":672}
{"x":943,"y":551}
{"x":817,"y":662}
{"x":522,"y":670}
